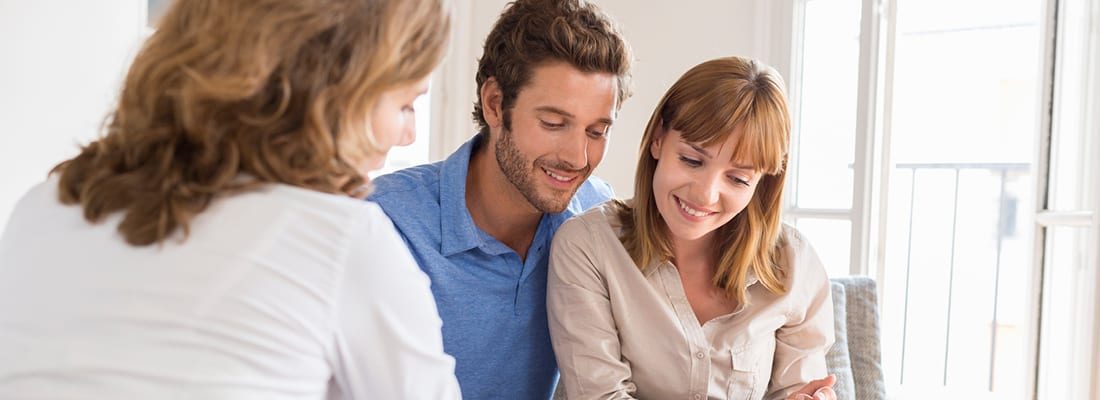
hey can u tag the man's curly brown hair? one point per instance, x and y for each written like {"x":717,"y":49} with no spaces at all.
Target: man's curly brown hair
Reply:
{"x":533,"y":32}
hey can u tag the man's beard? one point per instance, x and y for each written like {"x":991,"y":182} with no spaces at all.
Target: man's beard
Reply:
{"x":519,"y":171}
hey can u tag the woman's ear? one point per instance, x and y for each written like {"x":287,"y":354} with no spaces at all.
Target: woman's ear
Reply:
{"x":491,"y":101}
{"x":658,"y":141}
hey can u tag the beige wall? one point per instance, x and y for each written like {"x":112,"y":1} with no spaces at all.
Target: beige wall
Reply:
{"x":668,"y":37}
{"x":61,"y":63}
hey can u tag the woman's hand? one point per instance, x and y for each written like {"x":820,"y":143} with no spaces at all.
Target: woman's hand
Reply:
{"x":821,"y":389}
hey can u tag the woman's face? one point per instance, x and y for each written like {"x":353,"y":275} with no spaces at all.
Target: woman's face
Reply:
{"x":393,"y":120}
{"x":698,"y":189}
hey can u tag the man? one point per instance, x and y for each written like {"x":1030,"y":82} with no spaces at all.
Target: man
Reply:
{"x":551,"y":80}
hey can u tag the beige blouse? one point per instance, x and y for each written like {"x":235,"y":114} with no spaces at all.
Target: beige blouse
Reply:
{"x":622,"y":334}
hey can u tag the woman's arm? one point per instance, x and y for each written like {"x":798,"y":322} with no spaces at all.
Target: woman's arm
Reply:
{"x":582,"y":328}
{"x":801,"y":344}
{"x":389,"y":344}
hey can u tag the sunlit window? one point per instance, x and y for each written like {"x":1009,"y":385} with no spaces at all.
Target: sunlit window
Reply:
{"x":952,"y":102}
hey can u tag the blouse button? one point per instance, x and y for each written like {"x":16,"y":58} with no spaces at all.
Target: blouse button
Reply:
{"x":698,"y":396}
{"x":699,"y":355}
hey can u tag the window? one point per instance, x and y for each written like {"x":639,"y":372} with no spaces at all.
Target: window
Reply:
{"x":941,"y":147}
{"x":825,"y":123}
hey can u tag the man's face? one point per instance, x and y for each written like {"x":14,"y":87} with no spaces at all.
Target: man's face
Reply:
{"x":558,"y":133}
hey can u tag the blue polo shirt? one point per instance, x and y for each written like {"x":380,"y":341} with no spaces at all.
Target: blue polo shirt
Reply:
{"x":493,"y":305}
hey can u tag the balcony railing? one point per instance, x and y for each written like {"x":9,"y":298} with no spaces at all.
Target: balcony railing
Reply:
{"x":955,"y":248}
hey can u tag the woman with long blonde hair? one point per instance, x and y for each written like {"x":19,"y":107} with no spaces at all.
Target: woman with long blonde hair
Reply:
{"x":212,"y":244}
{"x":695,"y":289}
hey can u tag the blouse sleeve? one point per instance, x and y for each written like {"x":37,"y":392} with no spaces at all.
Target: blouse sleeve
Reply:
{"x":583,"y":332}
{"x":389,"y":344}
{"x":801,"y":344}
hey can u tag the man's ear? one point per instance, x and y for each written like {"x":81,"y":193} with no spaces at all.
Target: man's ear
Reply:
{"x":491,"y":102}
{"x":659,"y":135}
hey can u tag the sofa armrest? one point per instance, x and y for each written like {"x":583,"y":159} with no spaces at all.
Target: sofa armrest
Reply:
{"x":861,"y":322}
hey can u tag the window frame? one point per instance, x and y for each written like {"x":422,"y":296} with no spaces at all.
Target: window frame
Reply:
{"x":779,"y":43}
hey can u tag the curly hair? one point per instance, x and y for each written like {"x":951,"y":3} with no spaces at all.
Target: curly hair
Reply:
{"x":272,"y":91}
{"x":532,"y":32}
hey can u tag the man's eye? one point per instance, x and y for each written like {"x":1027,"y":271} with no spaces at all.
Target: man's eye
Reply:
{"x":599,"y":133}
{"x":551,"y":125}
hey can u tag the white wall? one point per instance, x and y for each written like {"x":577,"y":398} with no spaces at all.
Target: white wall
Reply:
{"x":668,"y":37}
{"x":62,"y":63}
{"x":63,"y":60}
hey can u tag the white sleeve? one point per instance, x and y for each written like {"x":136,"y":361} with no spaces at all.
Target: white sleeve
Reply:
{"x":388,"y":341}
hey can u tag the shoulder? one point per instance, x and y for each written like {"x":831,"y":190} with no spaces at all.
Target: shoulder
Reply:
{"x":41,"y":195}
{"x":412,"y":182}
{"x":587,"y":249}
{"x":284,"y":198}
{"x":408,"y":195}
{"x":354,"y":233}
{"x":592,"y":192}
{"x":374,"y":239}
{"x":44,"y":194}
{"x":372,"y":222}
{"x":40,"y":206}
{"x":599,"y":187}
{"x":354,"y":221}
{"x":44,"y":190}
{"x":377,"y":267}
{"x":791,"y":238}
{"x":800,"y":260}
{"x":599,"y":220}
{"x":289,"y":211}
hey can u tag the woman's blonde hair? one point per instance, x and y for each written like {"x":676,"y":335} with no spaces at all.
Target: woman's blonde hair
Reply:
{"x":705,"y":105}
{"x":279,"y":90}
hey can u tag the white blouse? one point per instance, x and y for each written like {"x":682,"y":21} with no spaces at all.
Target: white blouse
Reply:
{"x":280,"y":293}
{"x":619,"y":333}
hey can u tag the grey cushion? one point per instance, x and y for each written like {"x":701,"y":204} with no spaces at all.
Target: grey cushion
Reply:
{"x":837,"y":357}
{"x":862,"y":329}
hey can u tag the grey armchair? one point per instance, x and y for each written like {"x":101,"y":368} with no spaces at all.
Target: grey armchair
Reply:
{"x":856,"y":358}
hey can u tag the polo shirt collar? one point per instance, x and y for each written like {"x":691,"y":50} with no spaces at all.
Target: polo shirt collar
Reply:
{"x":459,"y":231}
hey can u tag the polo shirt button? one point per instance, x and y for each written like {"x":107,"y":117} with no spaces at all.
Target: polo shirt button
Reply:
{"x":699,"y":355}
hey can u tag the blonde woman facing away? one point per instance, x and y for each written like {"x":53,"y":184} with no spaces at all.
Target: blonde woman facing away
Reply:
{"x":695,"y":289}
{"x":208,"y":245}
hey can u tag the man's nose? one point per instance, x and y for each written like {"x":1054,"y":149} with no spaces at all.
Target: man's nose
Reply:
{"x":574,"y":151}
